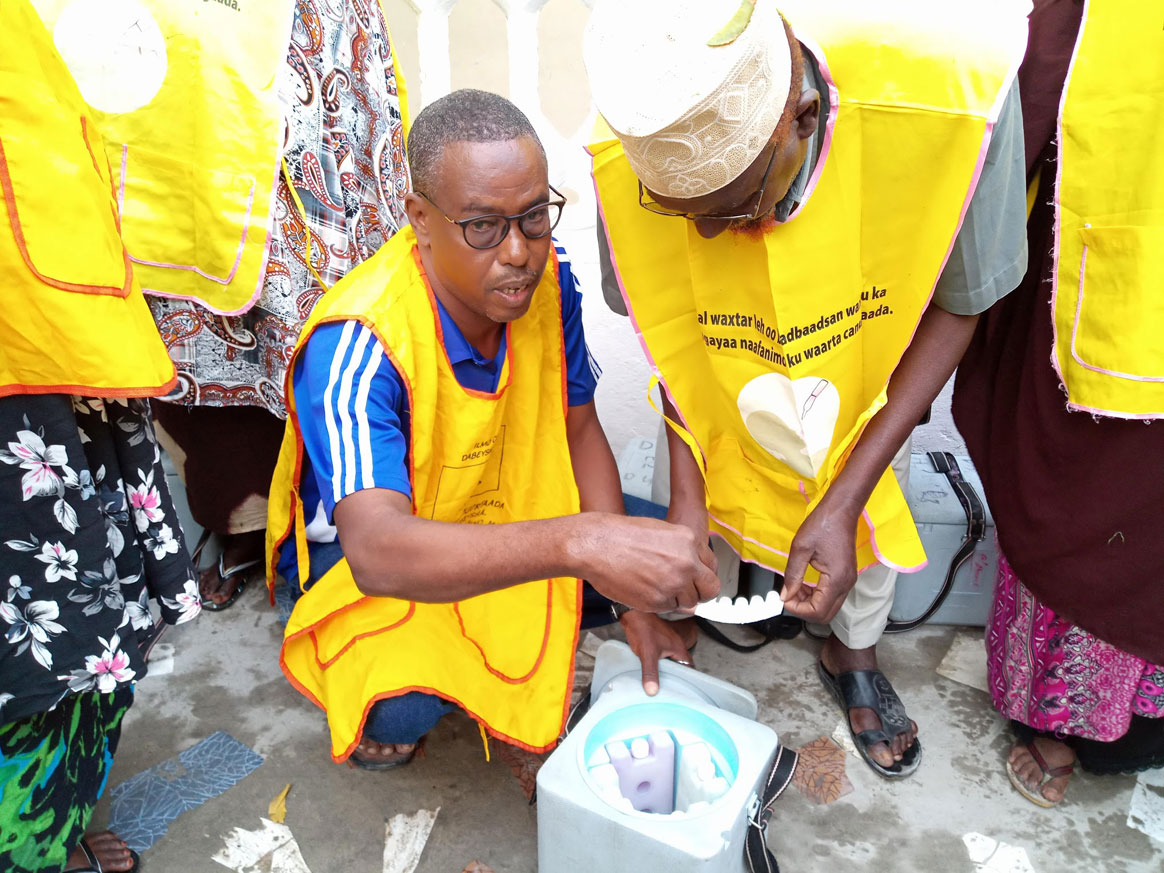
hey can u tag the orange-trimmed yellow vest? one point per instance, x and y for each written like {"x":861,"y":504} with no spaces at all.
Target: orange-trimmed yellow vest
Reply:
{"x":776,"y":349}
{"x":507,"y":657}
{"x":72,"y":317}
{"x":185,"y":94}
{"x":1108,"y":296}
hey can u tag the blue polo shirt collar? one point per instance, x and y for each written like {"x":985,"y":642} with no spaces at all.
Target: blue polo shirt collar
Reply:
{"x":461,"y":351}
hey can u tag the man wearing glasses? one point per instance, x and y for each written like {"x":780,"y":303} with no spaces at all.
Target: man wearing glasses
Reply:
{"x":777,"y":211}
{"x":445,"y":482}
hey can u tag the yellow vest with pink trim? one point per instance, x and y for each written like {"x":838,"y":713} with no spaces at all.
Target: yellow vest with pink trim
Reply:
{"x":72,"y":317}
{"x":185,"y":96}
{"x":1108,"y":299}
{"x":777,"y":349}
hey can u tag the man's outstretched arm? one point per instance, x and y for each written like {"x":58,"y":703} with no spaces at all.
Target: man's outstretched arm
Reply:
{"x":600,"y":488}
{"x":826,"y":538}
{"x":987,"y":261}
{"x":641,"y":562}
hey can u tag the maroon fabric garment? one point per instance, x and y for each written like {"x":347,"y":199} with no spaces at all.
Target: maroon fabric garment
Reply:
{"x":1078,"y":501}
{"x":231,"y":453}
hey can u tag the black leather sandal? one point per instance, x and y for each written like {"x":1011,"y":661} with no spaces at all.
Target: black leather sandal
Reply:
{"x":870,"y":689}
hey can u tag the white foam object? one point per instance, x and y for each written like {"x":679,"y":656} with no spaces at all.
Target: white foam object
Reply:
{"x":606,"y":779}
{"x":741,"y":610}
{"x":695,"y":778}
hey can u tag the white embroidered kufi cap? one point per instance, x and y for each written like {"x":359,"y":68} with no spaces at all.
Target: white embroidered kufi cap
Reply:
{"x":690,"y":117}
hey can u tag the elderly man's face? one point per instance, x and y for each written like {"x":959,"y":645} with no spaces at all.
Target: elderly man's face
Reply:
{"x":483,"y":287}
{"x":758,"y":189}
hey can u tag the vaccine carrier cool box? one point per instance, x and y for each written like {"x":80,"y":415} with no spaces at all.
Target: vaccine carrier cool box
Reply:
{"x":653,"y":783}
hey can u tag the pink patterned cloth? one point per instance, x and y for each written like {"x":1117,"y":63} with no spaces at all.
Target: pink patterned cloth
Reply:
{"x":1053,"y":676}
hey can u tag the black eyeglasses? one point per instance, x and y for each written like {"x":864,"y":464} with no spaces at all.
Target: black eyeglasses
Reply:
{"x":652,"y":206}
{"x":487,"y":231}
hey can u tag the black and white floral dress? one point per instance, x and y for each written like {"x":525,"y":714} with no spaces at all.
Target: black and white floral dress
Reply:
{"x":88,"y":538}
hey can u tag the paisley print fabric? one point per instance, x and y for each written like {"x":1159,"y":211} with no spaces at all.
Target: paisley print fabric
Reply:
{"x":344,"y":150}
{"x":1055,"y":677}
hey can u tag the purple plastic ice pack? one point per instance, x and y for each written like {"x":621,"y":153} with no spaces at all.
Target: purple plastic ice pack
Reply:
{"x":646,"y":771}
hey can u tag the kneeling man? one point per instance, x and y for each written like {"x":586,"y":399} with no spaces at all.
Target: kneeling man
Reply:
{"x":444,"y":481}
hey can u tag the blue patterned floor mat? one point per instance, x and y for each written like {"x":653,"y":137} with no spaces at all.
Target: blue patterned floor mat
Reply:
{"x":144,"y":805}
{"x":285,"y":602}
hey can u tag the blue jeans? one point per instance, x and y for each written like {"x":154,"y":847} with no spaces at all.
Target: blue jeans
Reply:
{"x":405,"y":719}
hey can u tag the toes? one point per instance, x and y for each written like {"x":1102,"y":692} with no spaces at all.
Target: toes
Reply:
{"x":1053,"y":792}
{"x":1026,"y":768}
{"x":882,"y":754}
{"x":213,"y":589}
{"x":906,"y":740}
{"x":206,"y":589}
{"x":110,"y":850}
{"x":1028,"y":772}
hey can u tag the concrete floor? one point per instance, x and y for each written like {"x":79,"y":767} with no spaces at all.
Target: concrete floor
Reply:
{"x":226,"y":677}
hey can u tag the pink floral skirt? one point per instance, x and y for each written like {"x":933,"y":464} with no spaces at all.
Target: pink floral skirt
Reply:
{"x":1055,"y":677}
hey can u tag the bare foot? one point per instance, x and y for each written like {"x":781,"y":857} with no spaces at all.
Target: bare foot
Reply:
{"x":111,"y":852}
{"x":838,"y":659}
{"x":385,"y":755}
{"x":238,"y":549}
{"x":1027,"y":769}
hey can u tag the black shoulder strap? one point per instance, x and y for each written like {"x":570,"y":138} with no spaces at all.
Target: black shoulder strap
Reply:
{"x":780,"y":627}
{"x":975,"y":511}
{"x":756,"y":852}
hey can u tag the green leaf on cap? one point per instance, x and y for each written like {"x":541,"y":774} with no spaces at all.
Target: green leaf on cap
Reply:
{"x":730,"y":32}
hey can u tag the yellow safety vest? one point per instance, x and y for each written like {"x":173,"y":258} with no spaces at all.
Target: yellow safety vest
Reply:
{"x":777,"y":349}
{"x":507,"y":657}
{"x":72,"y":317}
{"x":1108,"y":297}
{"x":185,"y":93}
